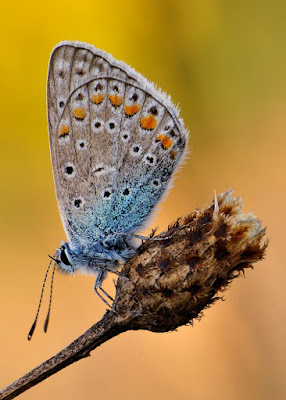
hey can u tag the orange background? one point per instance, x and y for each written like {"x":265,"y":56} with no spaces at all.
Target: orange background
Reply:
{"x":225,"y":63}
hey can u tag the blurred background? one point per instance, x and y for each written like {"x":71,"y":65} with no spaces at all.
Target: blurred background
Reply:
{"x":224,"y":63}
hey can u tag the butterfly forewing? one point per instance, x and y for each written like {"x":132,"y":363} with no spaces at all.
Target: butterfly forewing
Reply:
{"x":115,"y":142}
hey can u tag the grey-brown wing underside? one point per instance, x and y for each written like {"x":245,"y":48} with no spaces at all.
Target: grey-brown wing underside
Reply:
{"x":115,"y":142}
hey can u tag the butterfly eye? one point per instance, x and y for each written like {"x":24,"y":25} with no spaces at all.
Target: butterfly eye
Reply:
{"x":64,"y":258}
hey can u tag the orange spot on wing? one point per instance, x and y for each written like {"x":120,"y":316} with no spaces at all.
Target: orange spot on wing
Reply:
{"x":115,"y":100}
{"x":161,"y":136}
{"x":64,"y":130}
{"x":131,"y":110}
{"x":149,"y":122}
{"x":79,"y":113}
{"x":167,"y":142}
{"x":97,"y":98}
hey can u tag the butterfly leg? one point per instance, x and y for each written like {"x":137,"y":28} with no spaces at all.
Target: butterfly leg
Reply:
{"x":97,"y":285}
{"x":106,"y":294}
{"x":143,"y":237}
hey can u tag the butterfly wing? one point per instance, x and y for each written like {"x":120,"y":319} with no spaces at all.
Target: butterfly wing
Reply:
{"x":115,"y":142}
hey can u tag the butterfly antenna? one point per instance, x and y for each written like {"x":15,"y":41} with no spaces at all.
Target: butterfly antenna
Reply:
{"x":30,"y":334}
{"x":50,"y":301}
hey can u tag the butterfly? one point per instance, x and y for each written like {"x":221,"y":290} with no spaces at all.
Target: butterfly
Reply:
{"x":115,"y":141}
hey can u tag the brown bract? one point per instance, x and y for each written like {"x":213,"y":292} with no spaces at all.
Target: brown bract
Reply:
{"x":169,"y":282}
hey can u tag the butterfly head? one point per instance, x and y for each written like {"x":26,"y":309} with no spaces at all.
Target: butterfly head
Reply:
{"x":64,"y":260}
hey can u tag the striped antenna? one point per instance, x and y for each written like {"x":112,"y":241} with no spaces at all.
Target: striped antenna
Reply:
{"x":50,"y":301}
{"x":30,"y":334}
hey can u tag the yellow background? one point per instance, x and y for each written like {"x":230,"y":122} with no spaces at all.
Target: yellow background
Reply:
{"x":225,"y":63}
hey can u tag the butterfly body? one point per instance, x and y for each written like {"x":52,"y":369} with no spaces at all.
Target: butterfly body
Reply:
{"x":115,"y":143}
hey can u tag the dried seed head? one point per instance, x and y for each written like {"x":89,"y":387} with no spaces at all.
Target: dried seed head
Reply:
{"x":169,"y":282}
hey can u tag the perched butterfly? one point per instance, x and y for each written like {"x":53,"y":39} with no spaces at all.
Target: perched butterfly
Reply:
{"x":115,"y":142}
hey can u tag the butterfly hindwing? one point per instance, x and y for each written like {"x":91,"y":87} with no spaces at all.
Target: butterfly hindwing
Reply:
{"x":115,"y":141}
